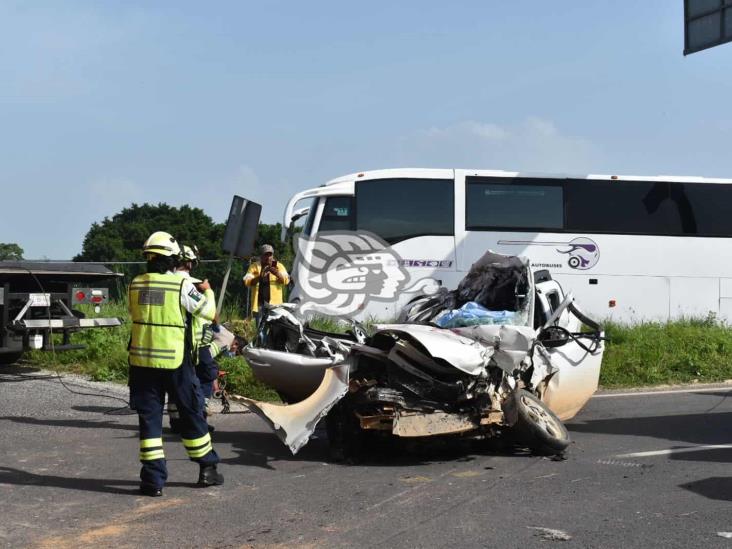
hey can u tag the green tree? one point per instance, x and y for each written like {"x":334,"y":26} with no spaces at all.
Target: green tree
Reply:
{"x":120,"y":238}
{"x":10,"y":251}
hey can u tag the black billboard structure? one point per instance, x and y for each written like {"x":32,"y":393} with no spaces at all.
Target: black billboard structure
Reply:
{"x":707,"y":23}
{"x":239,"y":236}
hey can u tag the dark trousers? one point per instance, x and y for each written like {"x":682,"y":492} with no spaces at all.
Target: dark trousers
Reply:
{"x":207,"y":370}
{"x":148,"y":387}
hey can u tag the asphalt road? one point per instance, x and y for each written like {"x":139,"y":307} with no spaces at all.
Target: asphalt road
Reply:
{"x":638,"y":474}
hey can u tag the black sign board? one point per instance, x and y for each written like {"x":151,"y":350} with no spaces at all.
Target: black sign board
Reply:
{"x":707,"y":23}
{"x":241,"y":227}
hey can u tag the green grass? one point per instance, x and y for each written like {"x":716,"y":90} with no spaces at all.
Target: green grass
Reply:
{"x":105,"y":355}
{"x":684,"y":351}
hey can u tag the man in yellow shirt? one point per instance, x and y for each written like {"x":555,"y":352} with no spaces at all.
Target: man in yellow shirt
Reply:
{"x":268,"y":277}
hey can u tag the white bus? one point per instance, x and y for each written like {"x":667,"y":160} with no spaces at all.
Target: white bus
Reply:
{"x":630,"y":248}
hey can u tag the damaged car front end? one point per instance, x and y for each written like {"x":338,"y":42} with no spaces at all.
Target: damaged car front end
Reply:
{"x":504,"y":354}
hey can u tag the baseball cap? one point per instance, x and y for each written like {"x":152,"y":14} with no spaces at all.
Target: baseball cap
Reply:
{"x":266,"y":249}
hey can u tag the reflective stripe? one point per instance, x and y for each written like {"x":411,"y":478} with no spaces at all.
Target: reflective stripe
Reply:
{"x":199,"y":452}
{"x":151,"y":448}
{"x":149,"y":355}
{"x":204,"y":302}
{"x":196,"y":442}
{"x":198,"y":447}
{"x":156,"y":283}
{"x":153,"y":350}
{"x":153,"y":287}
{"x":151,"y":442}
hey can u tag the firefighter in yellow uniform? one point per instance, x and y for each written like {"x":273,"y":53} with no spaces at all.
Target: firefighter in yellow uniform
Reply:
{"x":162,"y":306}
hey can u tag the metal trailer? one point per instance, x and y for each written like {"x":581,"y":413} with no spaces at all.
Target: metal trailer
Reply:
{"x":37,"y":299}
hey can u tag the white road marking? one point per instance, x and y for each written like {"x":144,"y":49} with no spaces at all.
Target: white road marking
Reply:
{"x":664,"y":392}
{"x":683,"y":450}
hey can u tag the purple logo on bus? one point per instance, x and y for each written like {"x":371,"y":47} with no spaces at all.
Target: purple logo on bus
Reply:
{"x":583,"y":253}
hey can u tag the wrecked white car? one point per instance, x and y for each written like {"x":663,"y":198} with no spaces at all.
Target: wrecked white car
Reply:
{"x":505,"y":354}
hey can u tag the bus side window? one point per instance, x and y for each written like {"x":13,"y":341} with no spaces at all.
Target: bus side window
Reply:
{"x":403,"y":208}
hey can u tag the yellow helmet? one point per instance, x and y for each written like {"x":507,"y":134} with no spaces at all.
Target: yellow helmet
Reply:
{"x":190,"y":253}
{"x":161,"y":243}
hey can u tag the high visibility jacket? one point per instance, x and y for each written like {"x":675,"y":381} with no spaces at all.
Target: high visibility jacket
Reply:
{"x":275,"y":286}
{"x":159,"y":321}
{"x":198,"y":322}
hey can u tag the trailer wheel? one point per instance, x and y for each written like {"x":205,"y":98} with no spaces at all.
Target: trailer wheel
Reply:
{"x":538,"y":427}
{"x":10,"y":358}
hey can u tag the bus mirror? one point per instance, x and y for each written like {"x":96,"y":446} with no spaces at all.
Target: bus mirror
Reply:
{"x":298,"y":214}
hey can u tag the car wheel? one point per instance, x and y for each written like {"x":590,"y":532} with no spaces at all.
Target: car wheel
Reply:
{"x":538,"y":427}
{"x":10,"y":358}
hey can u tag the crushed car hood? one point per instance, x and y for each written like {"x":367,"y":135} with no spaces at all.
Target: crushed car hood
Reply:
{"x":463,"y":353}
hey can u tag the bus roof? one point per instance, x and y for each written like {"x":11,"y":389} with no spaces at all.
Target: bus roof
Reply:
{"x":436,"y":173}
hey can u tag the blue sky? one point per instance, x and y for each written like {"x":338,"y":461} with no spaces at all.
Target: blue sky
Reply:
{"x":103,"y":104}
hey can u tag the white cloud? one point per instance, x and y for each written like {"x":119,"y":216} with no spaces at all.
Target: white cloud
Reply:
{"x":535,"y":144}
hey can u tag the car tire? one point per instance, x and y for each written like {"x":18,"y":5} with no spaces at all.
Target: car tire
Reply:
{"x":7,"y":359}
{"x":537,"y":427}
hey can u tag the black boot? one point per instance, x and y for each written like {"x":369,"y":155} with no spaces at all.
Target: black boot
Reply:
{"x":209,"y":476}
{"x":150,"y":490}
